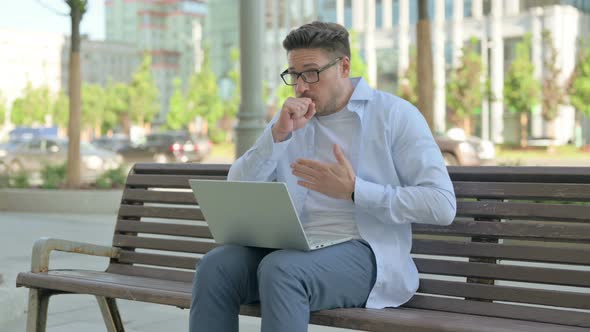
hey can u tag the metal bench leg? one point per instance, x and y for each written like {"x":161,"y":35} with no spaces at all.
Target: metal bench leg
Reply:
{"x":110,"y":313}
{"x":37,"y":314}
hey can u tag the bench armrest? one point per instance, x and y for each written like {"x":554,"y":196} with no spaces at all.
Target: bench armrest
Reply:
{"x":43,"y":247}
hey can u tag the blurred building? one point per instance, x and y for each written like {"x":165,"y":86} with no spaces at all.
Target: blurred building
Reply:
{"x":386,"y":31}
{"x":101,"y":61}
{"x":33,"y":57}
{"x":170,"y":31}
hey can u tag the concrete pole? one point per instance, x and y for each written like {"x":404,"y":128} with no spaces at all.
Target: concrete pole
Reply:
{"x":340,"y":12}
{"x":403,"y":38}
{"x":387,"y":14}
{"x":457,"y":32}
{"x":476,"y":8}
{"x":497,"y":75}
{"x":438,"y":62}
{"x":358,"y":15}
{"x":251,"y":113}
{"x":511,"y":7}
{"x":370,"y":52}
{"x":537,"y":55}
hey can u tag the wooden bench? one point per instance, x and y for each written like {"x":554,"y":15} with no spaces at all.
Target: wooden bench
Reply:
{"x":517,"y":257}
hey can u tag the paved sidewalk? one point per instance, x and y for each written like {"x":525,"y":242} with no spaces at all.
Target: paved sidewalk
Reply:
{"x":69,"y":313}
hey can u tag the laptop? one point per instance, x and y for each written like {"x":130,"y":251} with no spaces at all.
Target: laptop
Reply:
{"x":256,"y":214}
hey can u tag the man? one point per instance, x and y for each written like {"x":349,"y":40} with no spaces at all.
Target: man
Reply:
{"x":357,"y":162}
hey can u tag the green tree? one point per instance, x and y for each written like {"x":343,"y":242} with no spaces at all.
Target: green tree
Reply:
{"x":143,"y":94}
{"x":521,"y":89}
{"x":116,"y":107}
{"x":2,"y":108}
{"x":32,"y":106}
{"x":177,"y":117}
{"x":93,"y":107}
{"x":580,"y":83}
{"x":407,"y":87}
{"x":77,"y":10}
{"x":60,"y":110}
{"x":203,"y":97}
{"x":554,"y":93}
{"x":358,"y":66}
{"x":464,"y":90}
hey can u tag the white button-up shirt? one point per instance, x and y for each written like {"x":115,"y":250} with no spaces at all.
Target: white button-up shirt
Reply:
{"x":401,"y":179}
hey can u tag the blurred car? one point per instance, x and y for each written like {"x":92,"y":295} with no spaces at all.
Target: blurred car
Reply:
{"x":35,"y":154}
{"x":459,"y":149}
{"x":166,"y":147}
{"x":113,"y":143}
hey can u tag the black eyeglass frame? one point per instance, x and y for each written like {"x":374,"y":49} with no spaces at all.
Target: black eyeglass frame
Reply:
{"x":302,"y":74}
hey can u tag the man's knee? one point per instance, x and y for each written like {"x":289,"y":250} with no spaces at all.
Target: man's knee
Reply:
{"x":278,"y":267}
{"x":222,"y":263}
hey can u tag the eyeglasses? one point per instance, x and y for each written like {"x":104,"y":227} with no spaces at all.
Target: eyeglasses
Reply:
{"x":308,"y":76}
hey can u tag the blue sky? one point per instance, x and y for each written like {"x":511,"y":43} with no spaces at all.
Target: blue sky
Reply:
{"x":32,"y":15}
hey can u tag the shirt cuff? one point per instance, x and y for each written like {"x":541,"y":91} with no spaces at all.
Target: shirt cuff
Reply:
{"x":367,"y":194}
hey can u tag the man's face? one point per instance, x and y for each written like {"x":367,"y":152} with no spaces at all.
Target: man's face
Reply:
{"x":327,"y":92}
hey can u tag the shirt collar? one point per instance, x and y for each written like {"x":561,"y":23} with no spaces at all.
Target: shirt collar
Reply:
{"x":362,"y":93}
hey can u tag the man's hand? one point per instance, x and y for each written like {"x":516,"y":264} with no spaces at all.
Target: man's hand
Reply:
{"x":334,"y":180}
{"x":295,"y":114}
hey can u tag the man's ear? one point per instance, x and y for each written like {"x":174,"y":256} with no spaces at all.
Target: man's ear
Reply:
{"x":345,"y":66}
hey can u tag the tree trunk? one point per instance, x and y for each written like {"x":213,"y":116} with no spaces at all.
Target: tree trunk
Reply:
{"x":524,"y":123}
{"x":551,"y":134}
{"x":424,"y":65}
{"x":467,"y":125}
{"x":73,"y":165}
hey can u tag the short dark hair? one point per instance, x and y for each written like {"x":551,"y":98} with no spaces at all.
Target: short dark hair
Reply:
{"x":331,"y":37}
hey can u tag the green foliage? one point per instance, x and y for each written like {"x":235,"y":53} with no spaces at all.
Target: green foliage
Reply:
{"x":464,"y":89}
{"x":143,"y":94}
{"x":53,"y":176}
{"x":32,"y":106}
{"x":19,"y":180}
{"x":357,"y":65}
{"x":202,"y":96}
{"x":81,"y":4}
{"x":93,"y":106}
{"x":553,"y":92}
{"x":177,"y":118}
{"x":580,"y":88}
{"x":113,"y":178}
{"x":232,"y":105}
{"x":61,"y":110}
{"x":521,"y":89}
{"x":407,"y":87}
{"x":2,"y":108}
{"x":116,"y":104}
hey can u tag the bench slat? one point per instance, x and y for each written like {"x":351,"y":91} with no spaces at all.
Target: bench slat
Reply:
{"x":164,"y":197}
{"x":529,"y":191}
{"x":132,"y":257}
{"x":510,"y":229}
{"x":506,"y":293}
{"x":532,"y":174}
{"x":196,"y":247}
{"x":151,"y":272}
{"x":160,"y":212}
{"x":504,"y":272}
{"x":501,"y":251}
{"x":524,"y":211}
{"x":502,"y":310}
{"x":135,"y":226}
{"x":166,"y":181}
{"x":182,"y":168}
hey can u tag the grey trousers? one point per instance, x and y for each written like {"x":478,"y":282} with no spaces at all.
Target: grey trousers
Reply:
{"x":287,"y":283}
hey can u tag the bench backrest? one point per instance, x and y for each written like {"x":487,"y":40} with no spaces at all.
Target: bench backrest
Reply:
{"x":519,"y":247}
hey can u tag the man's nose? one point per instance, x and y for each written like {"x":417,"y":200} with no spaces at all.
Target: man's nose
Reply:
{"x":301,"y":86}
